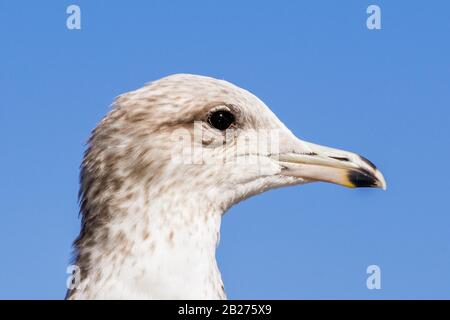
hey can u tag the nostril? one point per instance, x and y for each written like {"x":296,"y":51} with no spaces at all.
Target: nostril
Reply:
{"x":341,"y":158}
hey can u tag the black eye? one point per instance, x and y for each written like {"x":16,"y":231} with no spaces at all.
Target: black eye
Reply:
{"x":221,"y":119}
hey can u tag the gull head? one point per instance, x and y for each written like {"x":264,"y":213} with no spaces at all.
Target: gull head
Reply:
{"x":215,"y":136}
{"x":207,"y":135}
{"x":163,"y":166}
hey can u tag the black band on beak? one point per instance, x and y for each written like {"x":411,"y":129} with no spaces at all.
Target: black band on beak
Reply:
{"x":362,"y":179}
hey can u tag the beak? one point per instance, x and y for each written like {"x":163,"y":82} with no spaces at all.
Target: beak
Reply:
{"x":313,"y":162}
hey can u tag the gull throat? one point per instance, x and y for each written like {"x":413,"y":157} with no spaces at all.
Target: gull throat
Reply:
{"x":163,"y":247}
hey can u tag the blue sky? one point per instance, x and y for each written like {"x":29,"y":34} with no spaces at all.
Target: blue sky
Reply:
{"x":382,"y":93}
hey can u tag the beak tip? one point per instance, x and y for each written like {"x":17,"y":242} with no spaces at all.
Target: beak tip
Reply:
{"x":381,"y":181}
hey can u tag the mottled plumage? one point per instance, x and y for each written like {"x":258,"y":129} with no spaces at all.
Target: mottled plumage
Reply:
{"x":150,"y":225}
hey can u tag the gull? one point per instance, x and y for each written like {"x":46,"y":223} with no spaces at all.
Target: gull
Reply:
{"x":162,"y":168}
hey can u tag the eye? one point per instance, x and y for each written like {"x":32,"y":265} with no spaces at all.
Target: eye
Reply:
{"x":221,"y":119}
